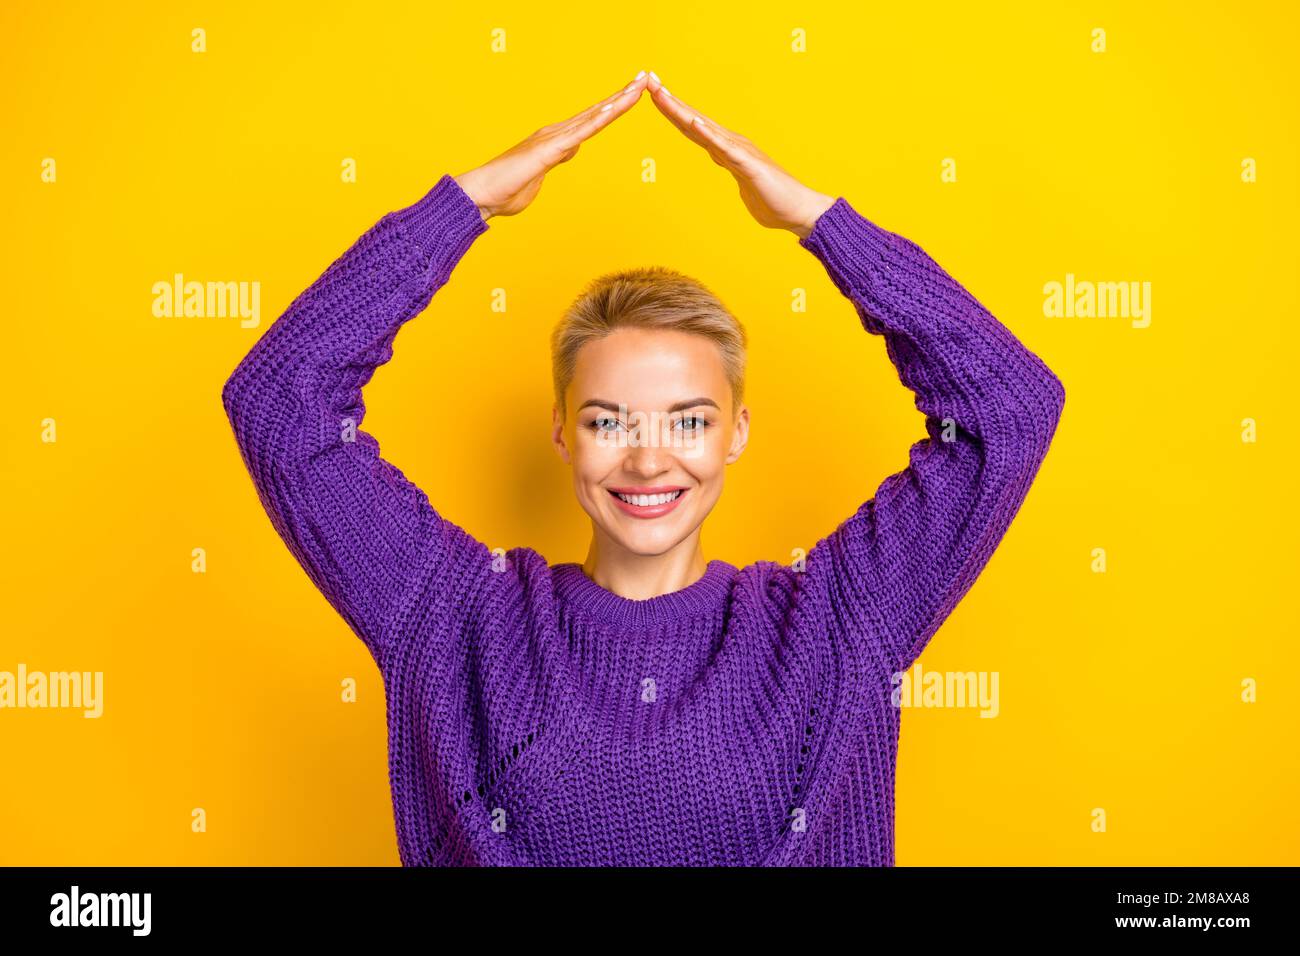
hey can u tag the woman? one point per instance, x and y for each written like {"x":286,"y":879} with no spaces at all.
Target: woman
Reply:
{"x":646,"y":707}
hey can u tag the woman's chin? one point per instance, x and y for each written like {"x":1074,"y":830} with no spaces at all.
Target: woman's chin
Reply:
{"x":644,"y":541}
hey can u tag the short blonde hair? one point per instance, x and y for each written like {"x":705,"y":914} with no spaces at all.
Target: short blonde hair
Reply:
{"x":651,"y":297}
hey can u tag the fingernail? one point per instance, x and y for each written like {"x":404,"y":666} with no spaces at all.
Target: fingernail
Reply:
{"x":639,"y":75}
{"x":664,"y":91}
{"x":655,"y":76}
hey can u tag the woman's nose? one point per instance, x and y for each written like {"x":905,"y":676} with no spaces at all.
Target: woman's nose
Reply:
{"x":648,"y":459}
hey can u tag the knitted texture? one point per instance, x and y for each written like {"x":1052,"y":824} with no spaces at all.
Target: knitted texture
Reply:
{"x":535,"y":717}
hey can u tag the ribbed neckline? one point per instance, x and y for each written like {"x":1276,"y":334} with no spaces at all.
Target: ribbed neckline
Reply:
{"x":572,"y":586}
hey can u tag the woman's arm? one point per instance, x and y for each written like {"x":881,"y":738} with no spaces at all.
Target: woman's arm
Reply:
{"x":364,"y":534}
{"x":910,"y":553}
{"x":361,"y":531}
{"x":907,"y":556}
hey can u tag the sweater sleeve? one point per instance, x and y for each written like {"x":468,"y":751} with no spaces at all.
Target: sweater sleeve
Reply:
{"x":361,"y":531}
{"x":903,"y":560}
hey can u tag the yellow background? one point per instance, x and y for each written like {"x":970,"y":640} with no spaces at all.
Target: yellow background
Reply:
{"x":1119,"y":690}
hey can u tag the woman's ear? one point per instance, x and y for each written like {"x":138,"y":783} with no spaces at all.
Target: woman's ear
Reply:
{"x":740,"y":435}
{"x":557,"y":435}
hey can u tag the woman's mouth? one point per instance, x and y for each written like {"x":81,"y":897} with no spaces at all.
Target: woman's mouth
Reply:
{"x":648,"y":502}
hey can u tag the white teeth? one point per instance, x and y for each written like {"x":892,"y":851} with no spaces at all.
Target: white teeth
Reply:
{"x":645,"y":501}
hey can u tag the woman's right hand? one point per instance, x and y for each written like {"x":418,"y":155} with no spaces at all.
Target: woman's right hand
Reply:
{"x":506,"y":185}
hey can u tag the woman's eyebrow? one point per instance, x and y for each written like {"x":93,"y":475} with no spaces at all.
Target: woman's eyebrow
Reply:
{"x":693,"y":403}
{"x":675,"y":407}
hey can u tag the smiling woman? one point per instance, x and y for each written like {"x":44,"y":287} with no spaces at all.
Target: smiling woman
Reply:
{"x":675,"y":357}
{"x":646,"y":707}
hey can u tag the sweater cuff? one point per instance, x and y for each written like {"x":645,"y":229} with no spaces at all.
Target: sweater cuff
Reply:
{"x":855,"y":251}
{"x":443,"y":223}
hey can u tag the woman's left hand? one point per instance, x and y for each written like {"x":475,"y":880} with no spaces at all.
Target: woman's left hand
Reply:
{"x":773,"y":197}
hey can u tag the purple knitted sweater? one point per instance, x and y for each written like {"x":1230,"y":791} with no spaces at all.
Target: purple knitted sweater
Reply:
{"x":535,"y":717}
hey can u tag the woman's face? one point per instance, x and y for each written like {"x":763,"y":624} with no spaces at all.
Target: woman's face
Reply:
{"x":650,"y":413}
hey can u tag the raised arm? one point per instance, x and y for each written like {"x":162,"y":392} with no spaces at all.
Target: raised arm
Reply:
{"x":365,"y":535}
{"x":362,"y":532}
{"x":910,"y":553}
{"x":906,"y":557}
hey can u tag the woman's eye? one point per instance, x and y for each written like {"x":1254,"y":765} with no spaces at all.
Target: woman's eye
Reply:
{"x":605,"y":424}
{"x":698,"y":422}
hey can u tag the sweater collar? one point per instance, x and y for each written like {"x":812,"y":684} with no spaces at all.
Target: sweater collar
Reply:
{"x":700,"y":599}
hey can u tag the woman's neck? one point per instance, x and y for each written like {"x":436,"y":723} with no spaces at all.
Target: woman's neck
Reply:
{"x":639,"y":576}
